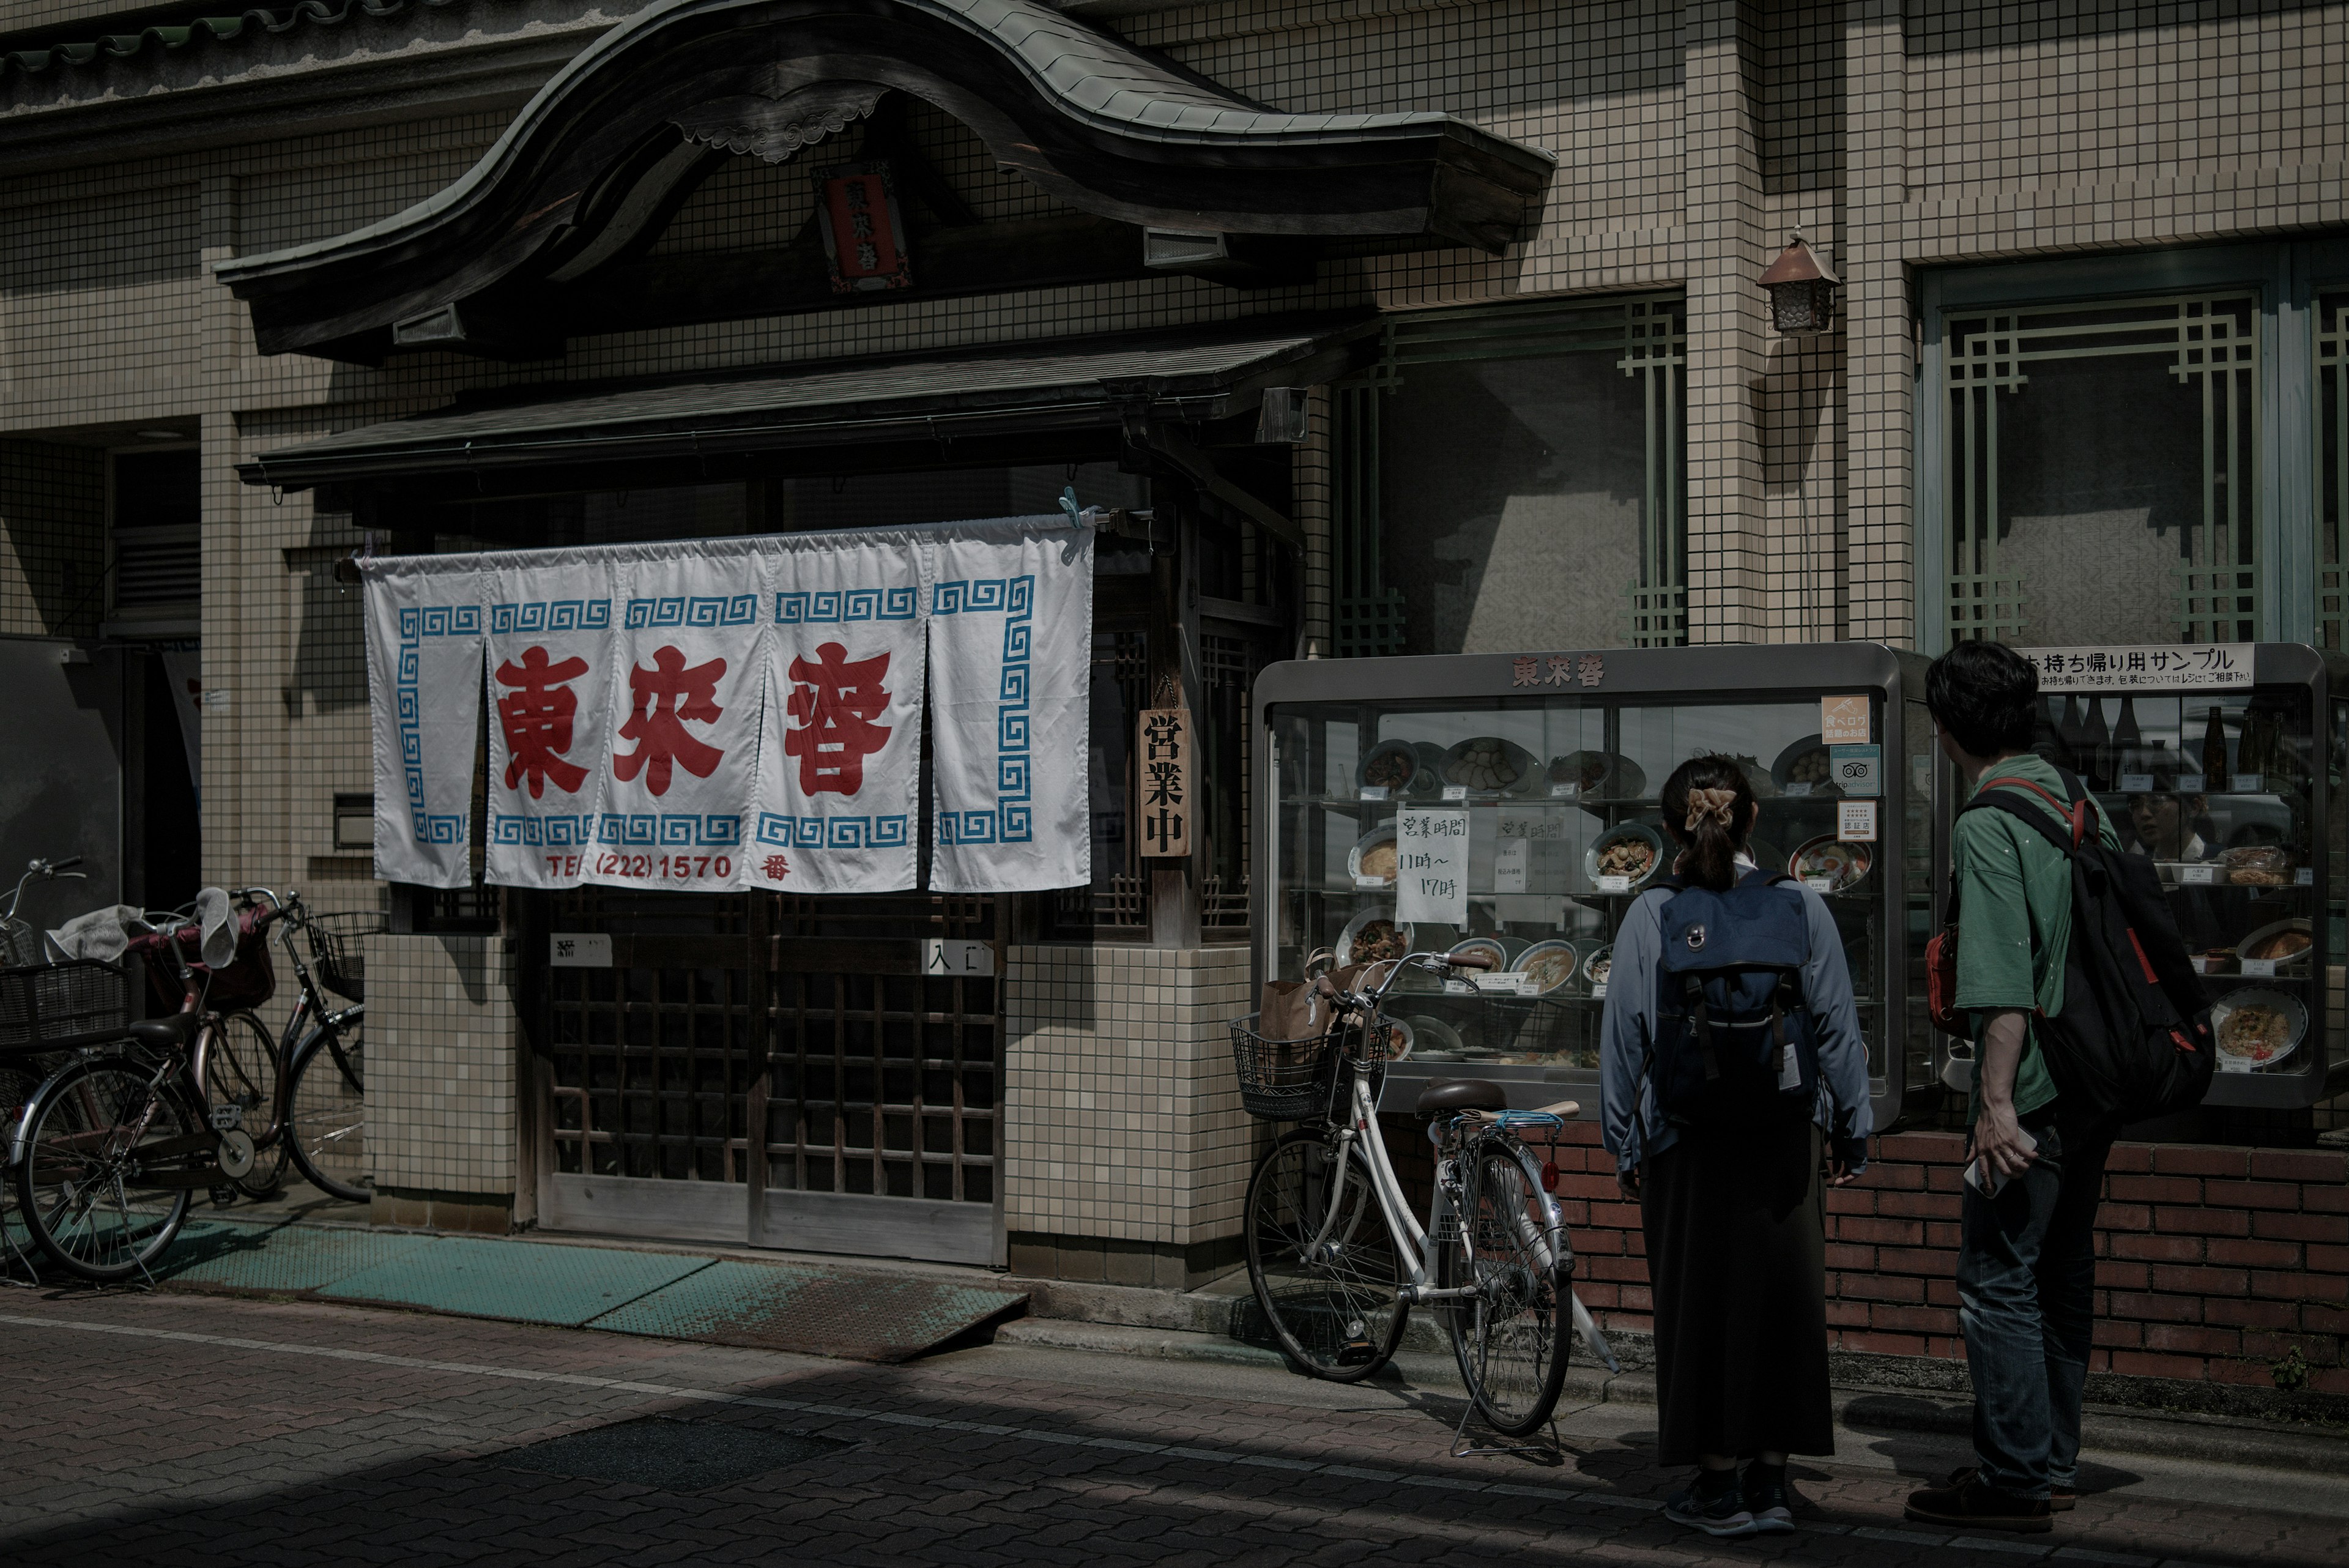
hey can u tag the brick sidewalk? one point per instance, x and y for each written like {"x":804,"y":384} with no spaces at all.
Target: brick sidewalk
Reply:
{"x":194,"y":1430}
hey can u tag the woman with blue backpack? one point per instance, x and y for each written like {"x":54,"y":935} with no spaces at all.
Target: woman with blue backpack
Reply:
{"x":1734,"y":1082}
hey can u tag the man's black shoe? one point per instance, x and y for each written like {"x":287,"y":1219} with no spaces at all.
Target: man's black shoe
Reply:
{"x":2060,"y":1499}
{"x":1973,"y":1506}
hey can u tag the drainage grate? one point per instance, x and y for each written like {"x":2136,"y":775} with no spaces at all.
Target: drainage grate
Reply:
{"x":672,"y":1455}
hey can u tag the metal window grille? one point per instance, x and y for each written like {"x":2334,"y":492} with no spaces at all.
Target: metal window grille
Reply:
{"x":1226,"y":666}
{"x":2211,"y":342}
{"x":882,"y":1080}
{"x":2331,"y":449}
{"x":1117,"y":904}
{"x":1648,"y":334}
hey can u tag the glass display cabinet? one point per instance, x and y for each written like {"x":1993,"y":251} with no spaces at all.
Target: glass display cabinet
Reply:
{"x":2225,"y":764}
{"x":1509,"y":801}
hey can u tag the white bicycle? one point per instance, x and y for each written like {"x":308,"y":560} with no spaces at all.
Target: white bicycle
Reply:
{"x":1337,"y":1258}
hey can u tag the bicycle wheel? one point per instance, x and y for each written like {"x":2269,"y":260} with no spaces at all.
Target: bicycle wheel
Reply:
{"x":325,"y":1112}
{"x":100,"y":1136}
{"x":1510,"y":1337}
{"x":1332,"y":1297}
{"x":241,"y":1069}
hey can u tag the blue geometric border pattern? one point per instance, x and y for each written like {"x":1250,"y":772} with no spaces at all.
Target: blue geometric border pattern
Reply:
{"x":668,"y":830}
{"x":1012,"y":821}
{"x":551,"y":615}
{"x":849,"y":605}
{"x":832,"y":832}
{"x":415,"y":623}
{"x":570,"y":832}
{"x":723,"y":609}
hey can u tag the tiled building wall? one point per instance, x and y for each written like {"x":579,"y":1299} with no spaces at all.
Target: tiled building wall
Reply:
{"x":440,"y":1058}
{"x":52,"y":539}
{"x":1691,"y":136}
{"x":1122,"y":1121}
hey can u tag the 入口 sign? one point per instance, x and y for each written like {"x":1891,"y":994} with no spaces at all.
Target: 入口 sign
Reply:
{"x":1161,"y":750}
{"x":956,"y":958}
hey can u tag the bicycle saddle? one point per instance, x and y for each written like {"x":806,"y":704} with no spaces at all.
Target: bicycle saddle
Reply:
{"x":1460,"y":1095}
{"x":165,"y":1033}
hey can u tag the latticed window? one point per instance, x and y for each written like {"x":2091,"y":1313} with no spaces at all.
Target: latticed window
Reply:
{"x":1513,"y":476}
{"x":2102,"y":482}
{"x":2331,"y":453}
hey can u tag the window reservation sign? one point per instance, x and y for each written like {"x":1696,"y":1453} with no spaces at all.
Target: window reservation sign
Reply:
{"x":739,"y":713}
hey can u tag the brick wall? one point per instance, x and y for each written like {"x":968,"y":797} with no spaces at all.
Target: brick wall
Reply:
{"x":2212,"y":1263}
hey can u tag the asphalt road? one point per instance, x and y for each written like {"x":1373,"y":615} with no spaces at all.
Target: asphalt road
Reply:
{"x":192,"y":1430}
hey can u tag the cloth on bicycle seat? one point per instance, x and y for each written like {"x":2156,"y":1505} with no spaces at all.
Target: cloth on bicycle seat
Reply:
{"x":165,"y":1033}
{"x":1460,"y":1095}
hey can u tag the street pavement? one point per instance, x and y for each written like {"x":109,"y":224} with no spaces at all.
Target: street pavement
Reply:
{"x":192,"y":1430}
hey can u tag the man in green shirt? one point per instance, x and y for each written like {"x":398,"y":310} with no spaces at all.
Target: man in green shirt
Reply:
{"x":2026,"y":1258}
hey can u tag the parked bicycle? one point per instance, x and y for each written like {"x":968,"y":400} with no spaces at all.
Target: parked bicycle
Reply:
{"x":1337,"y":1258}
{"x":321,"y":1117}
{"x":112,"y":1146}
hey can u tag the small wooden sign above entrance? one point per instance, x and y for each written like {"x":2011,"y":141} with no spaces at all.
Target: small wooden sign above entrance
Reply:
{"x":1161,"y":751}
{"x":864,"y":237}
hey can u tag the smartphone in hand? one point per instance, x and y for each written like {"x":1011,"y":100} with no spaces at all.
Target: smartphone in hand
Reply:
{"x":1987,"y":1178}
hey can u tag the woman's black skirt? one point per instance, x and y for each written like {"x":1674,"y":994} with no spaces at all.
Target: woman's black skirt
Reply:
{"x":1738,"y":1256}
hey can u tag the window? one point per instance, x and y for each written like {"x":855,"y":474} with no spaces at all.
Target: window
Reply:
{"x":1512,"y":477}
{"x":158,"y":507}
{"x":2331,"y":453}
{"x":2102,"y":470}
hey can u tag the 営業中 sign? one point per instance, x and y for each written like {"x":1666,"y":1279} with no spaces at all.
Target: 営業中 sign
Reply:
{"x":1162,"y":755}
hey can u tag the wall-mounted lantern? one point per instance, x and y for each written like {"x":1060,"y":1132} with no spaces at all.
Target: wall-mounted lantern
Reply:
{"x":1802,"y":292}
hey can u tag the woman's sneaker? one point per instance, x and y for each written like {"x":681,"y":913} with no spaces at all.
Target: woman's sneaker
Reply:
{"x":1713,"y":1502}
{"x":1768,"y":1497}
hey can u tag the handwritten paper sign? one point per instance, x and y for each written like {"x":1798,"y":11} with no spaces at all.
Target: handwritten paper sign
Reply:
{"x":1162,"y":749}
{"x":1431,"y":866}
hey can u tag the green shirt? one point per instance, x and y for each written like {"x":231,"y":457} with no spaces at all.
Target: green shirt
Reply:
{"x":2015,"y":920}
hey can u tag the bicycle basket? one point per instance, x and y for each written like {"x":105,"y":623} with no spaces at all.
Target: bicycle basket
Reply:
{"x":1302,"y":1080}
{"x":55,"y":1006}
{"x":19,"y":943}
{"x":247,"y":980}
{"x":337,"y":950}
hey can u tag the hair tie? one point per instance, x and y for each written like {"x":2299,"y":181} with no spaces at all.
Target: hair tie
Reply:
{"x":1719,"y":804}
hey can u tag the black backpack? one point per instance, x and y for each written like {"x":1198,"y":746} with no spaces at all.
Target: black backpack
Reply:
{"x":2133,"y":1040}
{"x":1734,"y":1042}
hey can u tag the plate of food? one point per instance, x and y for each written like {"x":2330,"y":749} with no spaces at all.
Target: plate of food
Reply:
{"x":1392,"y":765}
{"x":1372,"y":859}
{"x":1803,"y":765}
{"x":1550,"y":965}
{"x":1842,"y":866}
{"x":1602,"y":775}
{"x":1487,"y":764}
{"x":1632,"y":851}
{"x":1600,"y":964}
{"x":2257,"y":1028}
{"x":2286,"y":942}
{"x":1433,"y":1040}
{"x":1484,"y":947}
{"x":2258,"y":865}
{"x":1373,"y":936}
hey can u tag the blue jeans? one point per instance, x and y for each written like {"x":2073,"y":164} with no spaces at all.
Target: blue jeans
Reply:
{"x":2026,"y":1302}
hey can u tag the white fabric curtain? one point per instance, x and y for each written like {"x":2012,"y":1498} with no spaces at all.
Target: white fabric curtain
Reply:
{"x":739,"y":713}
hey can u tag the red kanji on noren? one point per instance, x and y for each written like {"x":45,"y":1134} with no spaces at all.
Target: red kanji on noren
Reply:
{"x":835,"y":701}
{"x":537,"y":721}
{"x":662,"y":699}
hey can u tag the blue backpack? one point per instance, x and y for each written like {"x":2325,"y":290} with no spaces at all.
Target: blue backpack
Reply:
{"x":1734,"y":1042}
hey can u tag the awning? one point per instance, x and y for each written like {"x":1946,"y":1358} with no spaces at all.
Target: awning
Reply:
{"x":1155,"y":391}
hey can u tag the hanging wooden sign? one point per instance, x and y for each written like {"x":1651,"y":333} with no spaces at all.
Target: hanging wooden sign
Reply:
{"x":1162,"y":754}
{"x":864,"y":238}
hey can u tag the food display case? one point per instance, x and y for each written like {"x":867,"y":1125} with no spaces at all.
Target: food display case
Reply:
{"x":2225,"y":764}
{"x":1508,"y":802}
